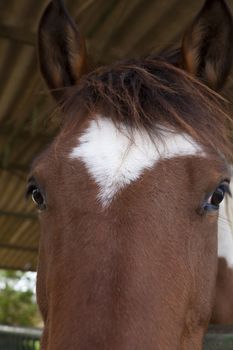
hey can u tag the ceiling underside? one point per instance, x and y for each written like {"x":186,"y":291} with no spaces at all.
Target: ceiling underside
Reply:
{"x":114,"y":29}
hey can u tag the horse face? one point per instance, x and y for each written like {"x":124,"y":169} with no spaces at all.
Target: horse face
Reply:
{"x":112,"y":268}
{"x":129,"y":194}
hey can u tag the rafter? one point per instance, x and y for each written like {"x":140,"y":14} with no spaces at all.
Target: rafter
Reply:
{"x":26,"y":216}
{"x":25,"y":268}
{"x":17,"y":34}
{"x":18,"y":247}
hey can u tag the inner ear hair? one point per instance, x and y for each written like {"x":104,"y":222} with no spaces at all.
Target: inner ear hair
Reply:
{"x":207,"y":50}
{"x":61,"y":48}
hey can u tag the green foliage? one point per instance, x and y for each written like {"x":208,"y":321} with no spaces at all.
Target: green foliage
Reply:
{"x":17,"y":299}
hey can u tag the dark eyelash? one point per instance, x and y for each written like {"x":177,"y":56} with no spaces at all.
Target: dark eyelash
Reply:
{"x":31,"y":187}
{"x":29,"y":190}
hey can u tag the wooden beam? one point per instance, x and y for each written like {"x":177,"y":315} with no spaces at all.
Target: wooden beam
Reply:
{"x":24,"y":268}
{"x":25,"y":216}
{"x":7,"y":130}
{"x":17,"y":247}
{"x":21,"y":35}
{"x":14,"y":167}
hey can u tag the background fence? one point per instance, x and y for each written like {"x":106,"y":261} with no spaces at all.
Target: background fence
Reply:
{"x":17,"y":338}
{"x":219,"y":338}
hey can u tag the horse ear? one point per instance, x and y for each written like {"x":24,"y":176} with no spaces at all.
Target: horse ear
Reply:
{"x":207,"y":49}
{"x":61,"y":48}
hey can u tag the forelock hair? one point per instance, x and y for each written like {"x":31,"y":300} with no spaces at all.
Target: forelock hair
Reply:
{"x":150,"y":93}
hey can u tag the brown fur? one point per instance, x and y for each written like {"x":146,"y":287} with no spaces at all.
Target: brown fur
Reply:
{"x":120,"y":279}
{"x":66,"y":61}
{"x":223,"y":302}
{"x":140,"y":274}
{"x":210,"y":34}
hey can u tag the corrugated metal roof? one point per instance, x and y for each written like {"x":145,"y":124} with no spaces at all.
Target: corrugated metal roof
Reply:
{"x":114,"y":29}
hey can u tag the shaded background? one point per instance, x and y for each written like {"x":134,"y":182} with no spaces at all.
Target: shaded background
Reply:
{"x":114,"y":29}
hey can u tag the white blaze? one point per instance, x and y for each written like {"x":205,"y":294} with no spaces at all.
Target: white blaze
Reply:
{"x":115,"y":157}
{"x":225,"y":229}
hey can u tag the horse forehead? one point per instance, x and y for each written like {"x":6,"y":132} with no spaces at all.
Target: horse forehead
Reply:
{"x":114,"y":156}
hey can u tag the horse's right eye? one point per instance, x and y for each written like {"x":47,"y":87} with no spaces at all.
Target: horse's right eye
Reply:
{"x":37,"y":196}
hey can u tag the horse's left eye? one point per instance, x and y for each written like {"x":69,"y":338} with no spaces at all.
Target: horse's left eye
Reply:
{"x":217,"y":197}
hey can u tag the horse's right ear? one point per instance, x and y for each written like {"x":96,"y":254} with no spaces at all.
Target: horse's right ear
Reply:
{"x":61,"y":48}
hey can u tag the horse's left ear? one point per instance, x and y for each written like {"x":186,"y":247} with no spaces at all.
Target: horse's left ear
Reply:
{"x":207,"y":50}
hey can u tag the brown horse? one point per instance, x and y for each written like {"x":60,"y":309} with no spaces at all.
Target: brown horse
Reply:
{"x":129,"y":191}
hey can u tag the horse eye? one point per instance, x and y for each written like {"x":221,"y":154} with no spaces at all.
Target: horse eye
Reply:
{"x":34,"y":191}
{"x":38,"y":198}
{"x":217,"y":197}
